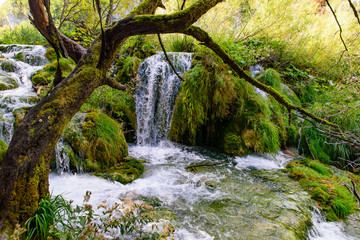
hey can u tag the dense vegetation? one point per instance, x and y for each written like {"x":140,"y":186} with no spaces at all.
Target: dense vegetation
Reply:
{"x":303,"y":59}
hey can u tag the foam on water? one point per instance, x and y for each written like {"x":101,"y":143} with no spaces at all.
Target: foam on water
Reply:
{"x":263,"y":161}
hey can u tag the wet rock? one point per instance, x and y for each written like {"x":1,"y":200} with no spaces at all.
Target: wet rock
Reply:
{"x":6,"y":82}
{"x":7,"y":65}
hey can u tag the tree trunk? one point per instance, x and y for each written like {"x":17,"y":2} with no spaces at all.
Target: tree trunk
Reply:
{"x":25,"y":169}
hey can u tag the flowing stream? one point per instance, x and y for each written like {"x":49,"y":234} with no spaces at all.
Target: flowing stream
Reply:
{"x":238,"y":198}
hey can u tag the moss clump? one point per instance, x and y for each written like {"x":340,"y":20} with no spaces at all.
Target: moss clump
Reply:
{"x":7,"y":82}
{"x":216,"y":108}
{"x":271,"y":77}
{"x":117,"y":104}
{"x":97,"y":140}
{"x":325,"y":185}
{"x":3,"y":148}
{"x":41,"y":78}
{"x":6,"y":65}
{"x":127,"y":67}
{"x":124,"y":172}
{"x":19,"y":56}
{"x":50,"y":54}
{"x":46,"y":76}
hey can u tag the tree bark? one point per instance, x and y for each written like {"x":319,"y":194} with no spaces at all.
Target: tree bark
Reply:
{"x":25,"y":168}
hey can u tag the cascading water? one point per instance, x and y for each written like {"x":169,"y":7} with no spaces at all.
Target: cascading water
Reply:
{"x":17,"y":74}
{"x":240,"y":198}
{"x":155,"y":95}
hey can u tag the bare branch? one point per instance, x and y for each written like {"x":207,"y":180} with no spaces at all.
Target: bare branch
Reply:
{"x":168,"y":59}
{"x":354,"y":11}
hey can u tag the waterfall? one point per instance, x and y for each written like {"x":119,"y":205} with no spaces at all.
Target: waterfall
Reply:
{"x":17,"y":74}
{"x":156,"y":94}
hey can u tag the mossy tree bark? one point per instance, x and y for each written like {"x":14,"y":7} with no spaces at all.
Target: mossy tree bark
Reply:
{"x":25,"y":168}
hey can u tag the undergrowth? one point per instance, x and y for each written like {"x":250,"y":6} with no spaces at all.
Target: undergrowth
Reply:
{"x":57,"y":218}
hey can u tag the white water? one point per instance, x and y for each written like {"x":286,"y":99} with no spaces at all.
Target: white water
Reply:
{"x":155,"y":95}
{"x":255,"y":70}
{"x":19,"y":97}
{"x":323,"y":230}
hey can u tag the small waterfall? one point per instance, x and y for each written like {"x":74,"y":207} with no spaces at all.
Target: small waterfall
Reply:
{"x":19,"y":73}
{"x":62,"y":158}
{"x":156,"y":94}
{"x":256,"y":69}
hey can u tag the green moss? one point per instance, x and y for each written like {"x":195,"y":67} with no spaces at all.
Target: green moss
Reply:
{"x":128,"y":69}
{"x":98,"y":140}
{"x":3,"y":149}
{"x":124,"y":172}
{"x":320,"y":168}
{"x":216,"y":108}
{"x":7,"y":65}
{"x":29,"y":189}
{"x":50,"y":54}
{"x":271,"y":77}
{"x":117,"y":104}
{"x":326,"y":187}
{"x":41,"y":78}
{"x":19,"y":56}
{"x":6,"y":82}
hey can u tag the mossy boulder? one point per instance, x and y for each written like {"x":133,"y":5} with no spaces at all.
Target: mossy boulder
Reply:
{"x":119,"y":105}
{"x":7,"y":65}
{"x":326,"y":186}
{"x":3,"y":148}
{"x":124,"y":172}
{"x":97,"y":140}
{"x":41,"y":78}
{"x":19,"y":56}
{"x":6,"y":82}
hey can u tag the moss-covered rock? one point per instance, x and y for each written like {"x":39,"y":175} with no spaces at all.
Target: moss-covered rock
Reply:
{"x":7,"y":65}
{"x":97,"y":140}
{"x":3,"y":148}
{"x":6,"y":82}
{"x":124,"y":172}
{"x":216,"y":108}
{"x":326,"y":186}
{"x":41,"y":78}
{"x":117,"y":104}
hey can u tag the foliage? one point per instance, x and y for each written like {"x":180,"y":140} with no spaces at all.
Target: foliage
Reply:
{"x":57,"y":218}
{"x":50,"y":212}
{"x":23,"y":33}
{"x":325,"y":185}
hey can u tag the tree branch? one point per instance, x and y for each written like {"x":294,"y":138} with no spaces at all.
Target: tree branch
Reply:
{"x":168,"y":59}
{"x":114,"y":84}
